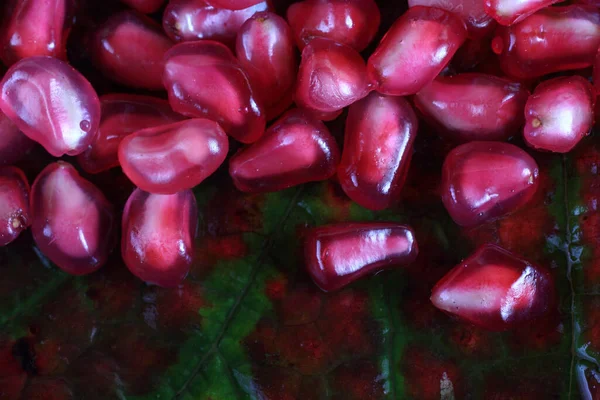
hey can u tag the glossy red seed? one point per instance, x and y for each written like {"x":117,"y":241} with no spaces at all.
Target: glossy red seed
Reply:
{"x":170,"y":158}
{"x":331,"y":76}
{"x":158,"y":236}
{"x":296,"y":149}
{"x":380,"y":131}
{"x":508,"y":12}
{"x":123,"y":114}
{"x":486,"y":180}
{"x":596,"y":72}
{"x":14,"y":204}
{"x":265,"y":50}
{"x":205,"y":80}
{"x":232,"y":4}
{"x":472,"y":13}
{"x":144,"y":6}
{"x":73,"y":223}
{"x":495,"y":290}
{"x":551,"y":40}
{"x":52,"y":103}
{"x":415,"y":50}
{"x":129,"y":48}
{"x":350,"y":22}
{"x":13,"y":143}
{"x":474,"y":106}
{"x":559,"y":113}
{"x":337,"y":255}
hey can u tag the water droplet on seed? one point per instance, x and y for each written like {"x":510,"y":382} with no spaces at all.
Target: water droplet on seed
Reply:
{"x":85,"y":125}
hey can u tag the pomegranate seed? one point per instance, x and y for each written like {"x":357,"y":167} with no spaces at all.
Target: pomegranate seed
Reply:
{"x":73,"y":223}
{"x":265,"y":50}
{"x":415,"y":50}
{"x":596,"y":72}
{"x":380,"y":131}
{"x":13,"y":144}
{"x":508,"y":12}
{"x":205,"y":80}
{"x":472,"y":13}
{"x":129,"y":48}
{"x":232,"y":4}
{"x":551,"y":40}
{"x":474,"y":106}
{"x":472,"y":189}
{"x":145,"y":6}
{"x":331,"y":76}
{"x":337,"y":255}
{"x":51,"y":103}
{"x":170,"y":158}
{"x":123,"y":114}
{"x":14,"y":204}
{"x":158,"y":236}
{"x":350,"y":22}
{"x":296,"y":149}
{"x":559,"y":113}
{"x":495,"y":290}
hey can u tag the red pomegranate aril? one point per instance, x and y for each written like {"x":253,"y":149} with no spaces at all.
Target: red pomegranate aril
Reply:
{"x":186,"y":20}
{"x":339,"y":254}
{"x":232,"y":4}
{"x":472,"y":13}
{"x":144,"y":6}
{"x":129,"y":48}
{"x":496,"y":290}
{"x":171,"y":158}
{"x":158,"y":236}
{"x":350,"y":22}
{"x":415,"y":50}
{"x":14,"y":204}
{"x":52,"y":103}
{"x":123,"y":114}
{"x":331,"y":76}
{"x":380,"y":131}
{"x":73,"y":223}
{"x":296,"y":149}
{"x":474,"y":106}
{"x":559,"y":113}
{"x":596,"y":72}
{"x":13,"y":143}
{"x":205,"y":80}
{"x":508,"y":12}
{"x":482,"y":181}
{"x":265,"y":50}
{"x":553,"y":39}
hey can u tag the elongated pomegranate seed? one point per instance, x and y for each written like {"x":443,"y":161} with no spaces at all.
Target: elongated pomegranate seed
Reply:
{"x":337,"y":255}
{"x":551,"y":40}
{"x":129,"y":48}
{"x":380,"y":131}
{"x":52,"y":103}
{"x":596,"y":72}
{"x":14,"y":204}
{"x":331,"y":76}
{"x":474,"y":106}
{"x":265,"y":50}
{"x":350,"y":22}
{"x":123,"y":114}
{"x":508,"y":12}
{"x":170,"y":158}
{"x":232,"y":4}
{"x":559,"y":113}
{"x":496,"y":290}
{"x":415,"y":49}
{"x":13,"y":143}
{"x":144,"y":6}
{"x":486,"y":180}
{"x":472,"y":13}
{"x":296,"y":149}
{"x":205,"y":80}
{"x":158,"y":236}
{"x":185,"y":20}
{"x":73,"y":223}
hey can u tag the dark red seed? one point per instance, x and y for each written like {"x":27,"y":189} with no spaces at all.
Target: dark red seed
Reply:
{"x":508,"y":12}
{"x":144,"y":6}
{"x":14,"y":204}
{"x":13,"y":143}
{"x":472,"y":13}
{"x":233,"y":4}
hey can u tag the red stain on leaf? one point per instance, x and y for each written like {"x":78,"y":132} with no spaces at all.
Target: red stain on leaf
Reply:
{"x":276,"y":289}
{"x":12,"y":375}
{"x":357,"y":381}
{"x":47,"y":389}
{"x":428,"y":376}
{"x":303,"y":349}
{"x":276,"y":383}
{"x":472,"y":341}
{"x":301,"y":306}
{"x":177,"y":309}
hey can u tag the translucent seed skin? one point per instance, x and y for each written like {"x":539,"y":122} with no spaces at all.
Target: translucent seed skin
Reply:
{"x":144,"y":6}
{"x":559,"y":113}
{"x":296,"y":149}
{"x":36,"y":94}
{"x":14,"y":204}
{"x":171,"y":158}
{"x":402,"y":64}
{"x":13,"y":143}
{"x":378,"y":146}
{"x":339,"y":254}
{"x":205,"y":80}
{"x":473,"y":106}
{"x":509,"y":12}
{"x":596,"y":72}
{"x":552,"y":40}
{"x":121,"y":115}
{"x":158,"y":236}
{"x":233,"y":4}
{"x":472,"y":13}
{"x":496,"y":290}
{"x":73,"y":224}
{"x":472,"y":189}
{"x":129,"y":48}
{"x":350,"y":22}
